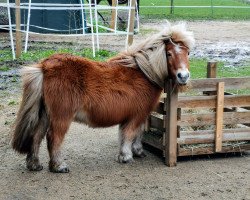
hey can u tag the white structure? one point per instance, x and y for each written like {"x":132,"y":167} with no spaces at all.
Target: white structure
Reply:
{"x":93,"y":21}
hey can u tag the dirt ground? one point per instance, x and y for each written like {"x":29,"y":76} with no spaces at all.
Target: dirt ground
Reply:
{"x":91,"y":153}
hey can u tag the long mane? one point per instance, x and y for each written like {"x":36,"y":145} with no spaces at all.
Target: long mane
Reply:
{"x":150,"y":55}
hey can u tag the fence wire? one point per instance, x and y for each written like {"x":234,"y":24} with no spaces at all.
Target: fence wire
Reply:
{"x":195,"y":9}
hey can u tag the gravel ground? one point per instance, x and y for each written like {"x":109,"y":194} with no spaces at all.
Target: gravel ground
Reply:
{"x":91,"y":153}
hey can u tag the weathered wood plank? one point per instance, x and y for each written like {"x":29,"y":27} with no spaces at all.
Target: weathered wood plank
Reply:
{"x":228,"y":136}
{"x":147,"y":124}
{"x":113,"y":15}
{"x":210,"y":150}
{"x":211,"y":69}
{"x":190,"y":134}
{"x":211,"y":83}
{"x":210,"y":101}
{"x":160,"y":108}
{"x":171,"y":124}
{"x":209,"y":119}
{"x":197,"y":102}
{"x":197,"y":119}
{"x":219,"y":116}
{"x":18,"y":29}
{"x":153,"y":140}
{"x":131,"y":23}
{"x":157,"y":122}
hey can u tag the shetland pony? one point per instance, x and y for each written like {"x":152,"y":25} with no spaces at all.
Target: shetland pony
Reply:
{"x":123,"y":90}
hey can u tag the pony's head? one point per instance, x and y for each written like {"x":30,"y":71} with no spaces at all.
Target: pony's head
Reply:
{"x":177,"y":61}
{"x":178,"y":46}
{"x":163,"y":55}
{"x":168,"y":54}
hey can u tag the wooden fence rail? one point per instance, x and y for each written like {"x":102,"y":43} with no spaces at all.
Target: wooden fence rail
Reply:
{"x":206,"y":120}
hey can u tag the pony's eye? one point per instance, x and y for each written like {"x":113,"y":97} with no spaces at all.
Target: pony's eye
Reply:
{"x":188,"y":53}
{"x":169,"y":54}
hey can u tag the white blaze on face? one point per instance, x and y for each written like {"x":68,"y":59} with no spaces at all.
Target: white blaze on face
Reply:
{"x":177,"y":49}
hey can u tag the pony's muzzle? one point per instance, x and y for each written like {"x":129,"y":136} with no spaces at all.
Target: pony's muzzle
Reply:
{"x":183,"y":77}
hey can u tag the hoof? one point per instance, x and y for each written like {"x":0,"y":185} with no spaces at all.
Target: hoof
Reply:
{"x":34,"y":167}
{"x":138,"y":152}
{"x":62,"y":168}
{"x":125,"y":159}
{"x":33,"y":164}
{"x":141,"y":155}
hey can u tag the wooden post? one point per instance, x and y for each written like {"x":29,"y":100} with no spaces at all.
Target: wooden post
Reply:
{"x":211,"y":73}
{"x":18,"y":32}
{"x":113,"y":14}
{"x":171,"y":124}
{"x":147,"y":124}
{"x":172,"y":7}
{"x":131,"y":23}
{"x":211,"y":69}
{"x":178,"y":128}
{"x":219,"y":116}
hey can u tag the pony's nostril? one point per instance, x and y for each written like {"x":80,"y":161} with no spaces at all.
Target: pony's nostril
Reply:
{"x":179,"y":75}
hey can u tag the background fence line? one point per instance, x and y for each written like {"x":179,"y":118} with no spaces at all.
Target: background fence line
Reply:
{"x":246,"y":7}
{"x":93,"y":21}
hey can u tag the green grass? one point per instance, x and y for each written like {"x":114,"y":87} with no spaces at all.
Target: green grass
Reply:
{"x":4,"y":68}
{"x":12,"y":103}
{"x":196,"y":13}
{"x":197,"y":66}
{"x":5,"y":55}
{"x":198,"y":69}
{"x":36,"y":55}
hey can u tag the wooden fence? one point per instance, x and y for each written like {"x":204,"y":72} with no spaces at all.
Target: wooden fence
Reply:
{"x":206,"y":120}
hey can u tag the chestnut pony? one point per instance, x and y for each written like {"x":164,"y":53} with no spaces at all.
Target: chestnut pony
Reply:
{"x":123,"y":90}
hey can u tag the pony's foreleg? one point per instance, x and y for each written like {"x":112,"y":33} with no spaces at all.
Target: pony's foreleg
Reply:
{"x":55,"y":138}
{"x":130,"y":143}
{"x":137,"y":147}
{"x":125,"y":154}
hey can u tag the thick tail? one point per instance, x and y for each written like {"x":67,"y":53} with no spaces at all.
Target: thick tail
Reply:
{"x":32,"y":120}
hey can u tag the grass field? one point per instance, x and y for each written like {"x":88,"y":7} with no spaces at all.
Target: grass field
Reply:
{"x":199,"y":70}
{"x":196,"y":13}
{"x":198,"y":66}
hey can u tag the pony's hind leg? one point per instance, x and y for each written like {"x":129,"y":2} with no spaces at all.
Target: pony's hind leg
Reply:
{"x":130,"y":143}
{"x":55,"y":138}
{"x":32,"y":159}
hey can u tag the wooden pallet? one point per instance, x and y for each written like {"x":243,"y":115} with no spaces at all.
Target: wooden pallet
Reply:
{"x":207,"y":120}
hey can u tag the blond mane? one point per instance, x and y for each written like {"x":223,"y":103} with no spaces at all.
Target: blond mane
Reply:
{"x":150,"y":55}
